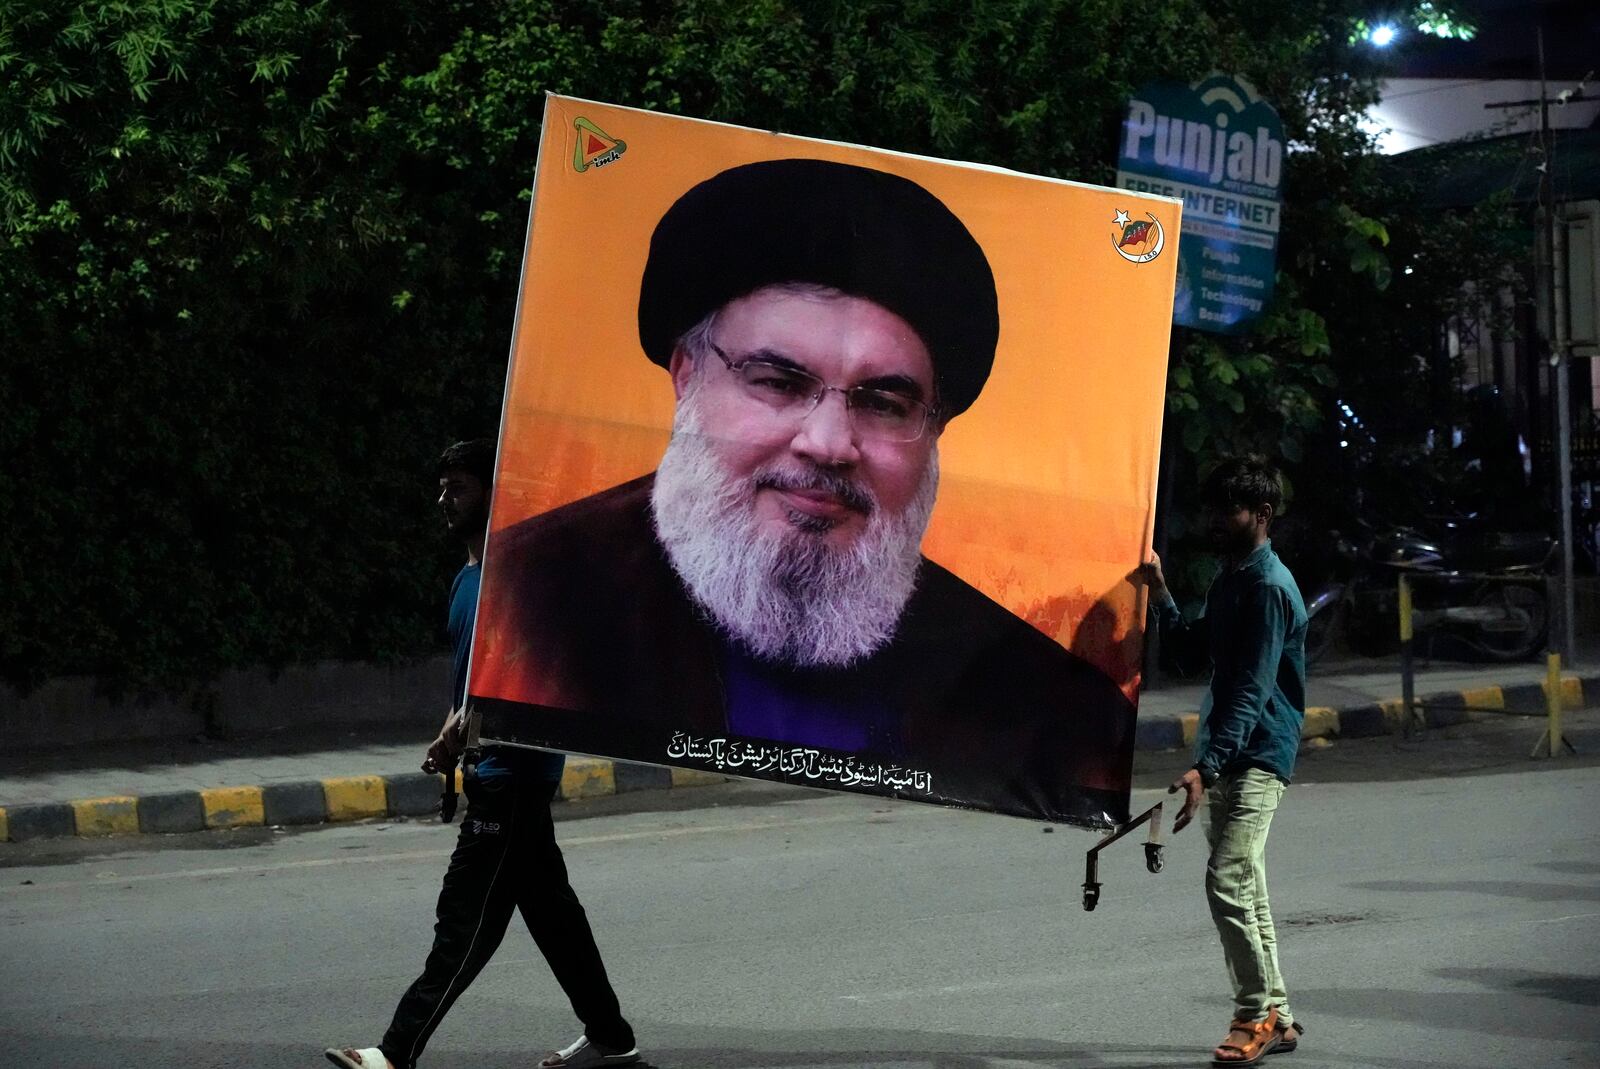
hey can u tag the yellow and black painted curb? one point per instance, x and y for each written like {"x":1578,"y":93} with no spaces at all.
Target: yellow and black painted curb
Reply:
{"x":414,"y":794}
{"x":318,"y":801}
{"x":1439,"y":709}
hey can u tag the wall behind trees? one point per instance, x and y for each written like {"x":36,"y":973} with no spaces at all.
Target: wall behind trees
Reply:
{"x":259,"y":262}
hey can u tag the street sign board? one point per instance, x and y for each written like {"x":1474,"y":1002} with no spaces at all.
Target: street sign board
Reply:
{"x":1220,"y":147}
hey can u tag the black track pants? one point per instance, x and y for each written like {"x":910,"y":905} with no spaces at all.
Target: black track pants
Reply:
{"x":506,"y":858}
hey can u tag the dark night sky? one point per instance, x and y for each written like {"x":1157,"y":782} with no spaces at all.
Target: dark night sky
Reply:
{"x":1506,"y":45}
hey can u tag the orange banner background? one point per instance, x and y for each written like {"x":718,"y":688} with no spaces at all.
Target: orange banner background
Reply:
{"x":1048,"y":490}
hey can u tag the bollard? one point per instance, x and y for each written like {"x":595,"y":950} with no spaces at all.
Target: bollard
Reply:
{"x":1552,"y":700}
{"x":1408,"y":697}
{"x":1552,"y":742}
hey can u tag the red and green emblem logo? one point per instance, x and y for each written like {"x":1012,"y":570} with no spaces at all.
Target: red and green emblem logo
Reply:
{"x":594,"y":147}
{"x":1138,"y":240}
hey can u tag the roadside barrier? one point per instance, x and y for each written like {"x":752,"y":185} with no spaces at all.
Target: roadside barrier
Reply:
{"x":1413,"y":716}
{"x":1552,"y":742}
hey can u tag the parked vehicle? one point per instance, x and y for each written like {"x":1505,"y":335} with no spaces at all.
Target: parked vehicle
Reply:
{"x":1485,"y":588}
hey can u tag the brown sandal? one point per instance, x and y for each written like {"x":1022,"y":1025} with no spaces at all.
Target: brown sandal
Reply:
{"x":1264,"y":1039}
{"x":1289,"y":1038}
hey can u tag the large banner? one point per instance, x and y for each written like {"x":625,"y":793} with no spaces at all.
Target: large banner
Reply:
{"x":826,"y":465}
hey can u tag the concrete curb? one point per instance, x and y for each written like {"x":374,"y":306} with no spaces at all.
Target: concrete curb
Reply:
{"x":318,"y":801}
{"x":416,"y":794}
{"x":1441,"y":708}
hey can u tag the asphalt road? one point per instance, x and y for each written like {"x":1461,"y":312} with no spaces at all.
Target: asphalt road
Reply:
{"x":1438,"y":902}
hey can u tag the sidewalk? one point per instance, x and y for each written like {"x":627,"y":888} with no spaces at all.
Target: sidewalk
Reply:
{"x":189,"y":786}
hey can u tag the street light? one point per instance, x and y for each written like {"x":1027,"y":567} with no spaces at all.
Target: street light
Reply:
{"x":1383,"y":36}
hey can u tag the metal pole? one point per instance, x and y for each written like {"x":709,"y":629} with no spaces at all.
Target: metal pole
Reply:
{"x":1560,"y":370}
{"x":1563,"y":373}
{"x":1165,"y":463}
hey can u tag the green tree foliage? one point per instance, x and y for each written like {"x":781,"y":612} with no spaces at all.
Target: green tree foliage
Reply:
{"x":216,"y":420}
{"x":258,"y":263}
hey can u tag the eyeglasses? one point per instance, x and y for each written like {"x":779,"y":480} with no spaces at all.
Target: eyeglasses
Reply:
{"x":882,"y":415}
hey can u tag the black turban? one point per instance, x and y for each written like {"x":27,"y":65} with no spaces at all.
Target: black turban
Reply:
{"x":867,"y":233}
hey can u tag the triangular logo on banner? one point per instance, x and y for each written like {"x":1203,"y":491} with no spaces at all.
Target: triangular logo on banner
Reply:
{"x":595,"y":147}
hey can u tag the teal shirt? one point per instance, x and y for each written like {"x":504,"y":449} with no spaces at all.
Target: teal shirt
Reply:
{"x":1253,"y":633}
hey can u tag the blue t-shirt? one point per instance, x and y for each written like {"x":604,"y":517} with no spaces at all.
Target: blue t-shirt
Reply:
{"x":496,"y":760}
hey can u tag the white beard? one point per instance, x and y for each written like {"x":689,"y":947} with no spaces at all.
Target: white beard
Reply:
{"x":785,"y":595}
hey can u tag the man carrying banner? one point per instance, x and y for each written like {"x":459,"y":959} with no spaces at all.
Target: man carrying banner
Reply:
{"x":1253,"y":636}
{"x":506,"y":857}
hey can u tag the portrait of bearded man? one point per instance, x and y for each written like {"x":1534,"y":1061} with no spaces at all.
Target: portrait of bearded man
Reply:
{"x":821,"y":323}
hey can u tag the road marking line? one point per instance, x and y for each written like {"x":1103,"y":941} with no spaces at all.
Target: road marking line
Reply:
{"x":1010,"y":983}
{"x":107,"y":879}
{"x":902,"y":812}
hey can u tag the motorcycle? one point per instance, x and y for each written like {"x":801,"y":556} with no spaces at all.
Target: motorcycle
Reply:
{"x":1486,"y":589}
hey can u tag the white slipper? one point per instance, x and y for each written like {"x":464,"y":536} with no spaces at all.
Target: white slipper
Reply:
{"x":351,"y":1058}
{"x":583,"y":1054}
